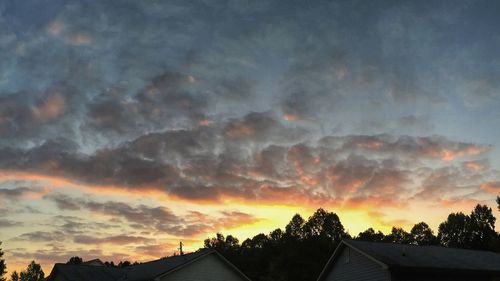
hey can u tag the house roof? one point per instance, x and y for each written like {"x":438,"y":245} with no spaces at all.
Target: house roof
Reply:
{"x":412,"y":257}
{"x":94,"y":262}
{"x":152,"y":269}
{"x":72,"y":272}
{"x":140,"y":272}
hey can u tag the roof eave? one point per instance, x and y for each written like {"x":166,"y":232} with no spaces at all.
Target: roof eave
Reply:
{"x":456,"y":271}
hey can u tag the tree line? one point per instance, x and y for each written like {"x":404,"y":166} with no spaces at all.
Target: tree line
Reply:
{"x":33,"y":271}
{"x":300,"y":251}
{"x":77,"y":260}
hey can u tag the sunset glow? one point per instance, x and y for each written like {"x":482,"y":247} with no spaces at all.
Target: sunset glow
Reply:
{"x":129,"y":126}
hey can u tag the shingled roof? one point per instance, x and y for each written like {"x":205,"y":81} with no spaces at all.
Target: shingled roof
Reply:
{"x":401,"y":257}
{"x":141,"y":272}
{"x":72,"y":272}
{"x":152,"y":269}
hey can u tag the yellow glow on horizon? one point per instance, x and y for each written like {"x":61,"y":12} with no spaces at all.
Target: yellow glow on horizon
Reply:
{"x":269,"y":213}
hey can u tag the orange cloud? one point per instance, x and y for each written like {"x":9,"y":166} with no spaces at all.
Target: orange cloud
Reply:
{"x":239,"y":130}
{"x":433,"y":147}
{"x":452,"y":154}
{"x":263,"y":194}
{"x":474,"y":165}
{"x":371,"y":144}
{"x":290,"y":117}
{"x":205,"y":123}
{"x":61,"y":182}
{"x":437,"y":147}
{"x":491,"y":187}
{"x":79,"y":39}
{"x":50,"y":108}
{"x":116,"y":239}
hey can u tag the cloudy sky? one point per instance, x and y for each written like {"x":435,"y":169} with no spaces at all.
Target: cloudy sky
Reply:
{"x":126,"y":126}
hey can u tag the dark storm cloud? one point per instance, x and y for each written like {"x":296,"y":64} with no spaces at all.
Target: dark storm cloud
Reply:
{"x":15,"y":193}
{"x":366,"y":177}
{"x":107,"y":166}
{"x":171,"y":98}
{"x":4,"y":223}
{"x":154,"y":218}
{"x":117,"y":239}
{"x":261,"y":127}
{"x":159,"y":219}
{"x":271,"y":161}
{"x":436,"y":147}
{"x":25,"y":116}
{"x":77,"y":226}
{"x":449,"y":181}
{"x":141,"y":215}
{"x":156,"y":159}
{"x":204,"y":100}
{"x":184,"y":163}
{"x":41,"y":236}
{"x":128,"y":91}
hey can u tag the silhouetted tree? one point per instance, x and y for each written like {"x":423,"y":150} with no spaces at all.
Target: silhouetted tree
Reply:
{"x":259,"y":241}
{"x":14,"y":276}
{"x":498,"y":202}
{"x":276,"y":235}
{"x":371,"y":235}
{"x":422,"y":234}
{"x":3,"y":266}
{"x":33,"y":272}
{"x":222,"y":244}
{"x":294,"y":227}
{"x":228,"y":246}
{"x":453,"y":232}
{"x":75,"y":260}
{"x":481,"y":228}
{"x":124,"y":264}
{"x":324,"y":224}
{"x":476,"y":231}
{"x":300,"y":252}
{"x":232,"y":242}
{"x":398,"y":235}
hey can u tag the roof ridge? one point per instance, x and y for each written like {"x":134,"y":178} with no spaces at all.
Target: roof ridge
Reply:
{"x":165,"y":258}
{"x":418,"y":246}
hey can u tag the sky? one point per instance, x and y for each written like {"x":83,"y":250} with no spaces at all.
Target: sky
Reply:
{"x":127,"y":126}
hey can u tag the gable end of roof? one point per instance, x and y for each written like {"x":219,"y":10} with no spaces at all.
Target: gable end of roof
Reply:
{"x":209,"y":252}
{"x":338,"y":251}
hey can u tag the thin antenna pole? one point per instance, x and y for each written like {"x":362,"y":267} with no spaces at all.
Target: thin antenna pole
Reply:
{"x":180,"y":248}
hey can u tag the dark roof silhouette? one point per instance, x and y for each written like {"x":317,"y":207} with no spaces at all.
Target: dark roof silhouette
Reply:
{"x":402,"y":257}
{"x":72,"y":272}
{"x":152,"y":269}
{"x":94,"y":262}
{"x":140,"y":272}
